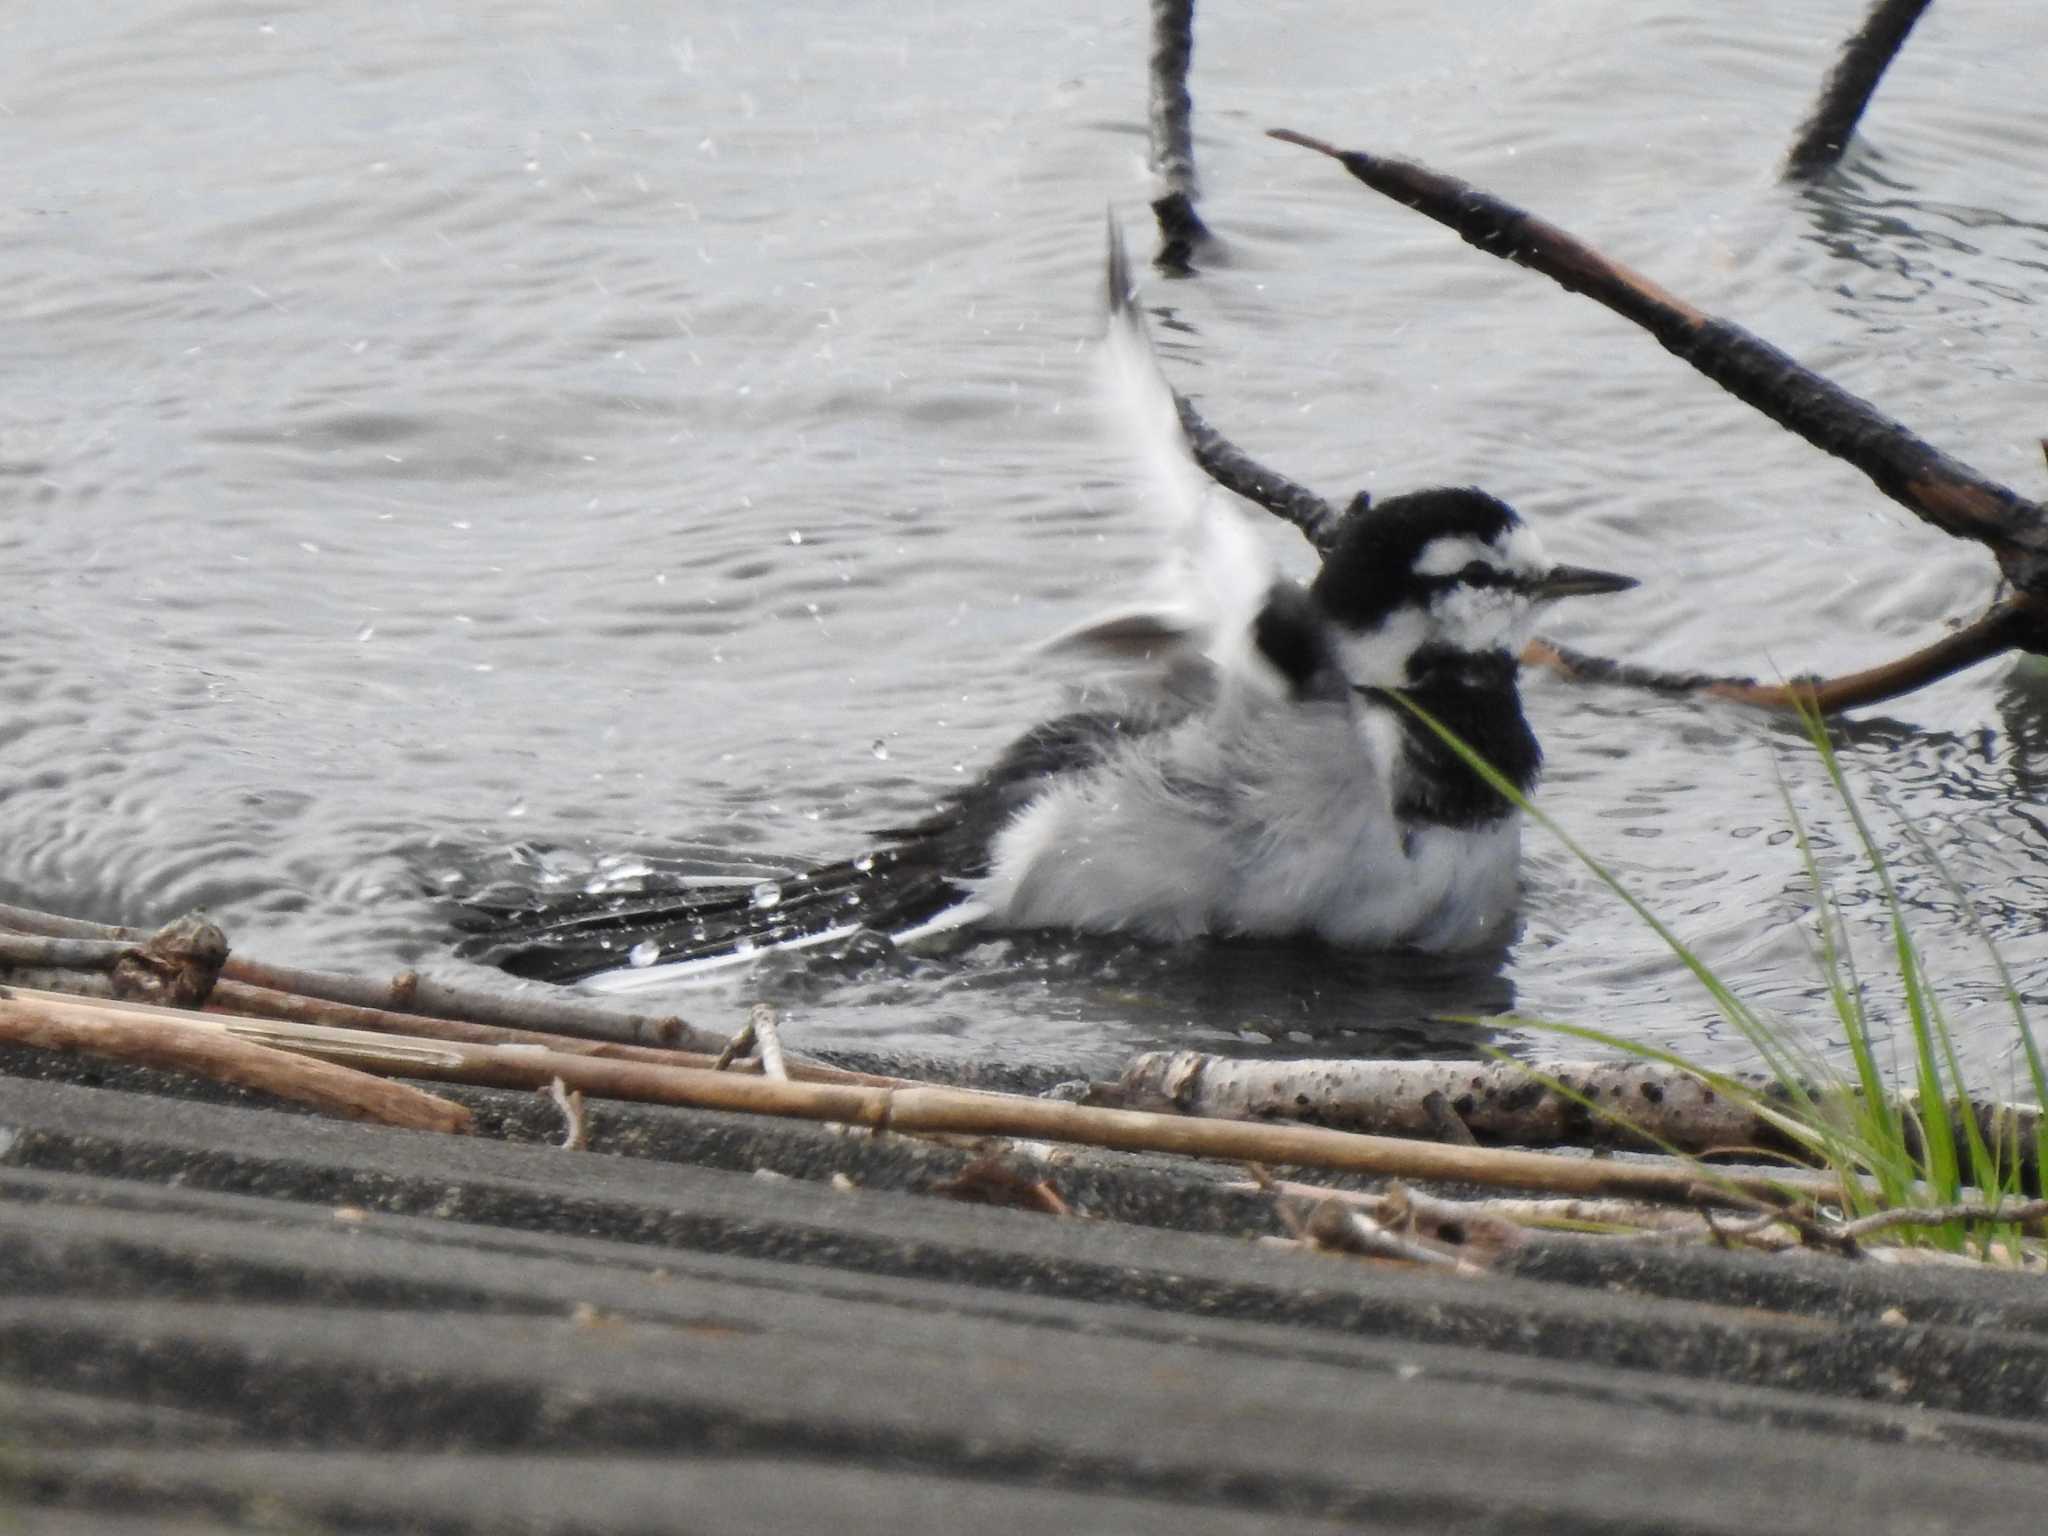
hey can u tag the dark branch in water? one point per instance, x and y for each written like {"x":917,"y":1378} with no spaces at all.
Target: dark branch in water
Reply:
{"x":1849,"y":87}
{"x":2016,"y":622}
{"x":1181,"y":229}
{"x":1231,"y":468}
{"x":1941,"y":490}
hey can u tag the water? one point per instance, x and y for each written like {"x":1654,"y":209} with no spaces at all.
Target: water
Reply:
{"x":436,"y":442}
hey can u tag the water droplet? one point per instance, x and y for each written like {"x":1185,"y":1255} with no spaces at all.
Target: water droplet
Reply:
{"x":767,"y":894}
{"x":864,"y":863}
{"x":744,"y":945}
{"x":645,"y":953}
{"x":516,"y":808}
{"x":880,"y":749}
{"x":795,"y":537}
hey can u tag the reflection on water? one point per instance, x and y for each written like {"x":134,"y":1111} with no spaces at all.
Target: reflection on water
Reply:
{"x":433,"y":436}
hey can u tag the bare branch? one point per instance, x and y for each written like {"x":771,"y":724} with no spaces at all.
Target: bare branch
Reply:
{"x":1849,"y":87}
{"x":1232,"y":469}
{"x":1935,"y":487}
{"x":1181,"y":229}
{"x":2014,"y":623}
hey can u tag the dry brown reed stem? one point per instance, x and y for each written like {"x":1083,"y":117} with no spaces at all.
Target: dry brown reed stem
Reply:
{"x":233,"y":997}
{"x":161,"y":1038}
{"x":970,"y":1112}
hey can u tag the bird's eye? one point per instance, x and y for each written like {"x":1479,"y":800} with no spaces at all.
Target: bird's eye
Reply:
{"x":1478,"y":574}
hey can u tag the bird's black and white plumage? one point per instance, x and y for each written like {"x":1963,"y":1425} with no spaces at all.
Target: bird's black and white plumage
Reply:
{"x":1265,"y":785}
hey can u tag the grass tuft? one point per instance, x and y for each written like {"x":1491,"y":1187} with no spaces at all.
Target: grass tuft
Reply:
{"x":1896,"y":1137}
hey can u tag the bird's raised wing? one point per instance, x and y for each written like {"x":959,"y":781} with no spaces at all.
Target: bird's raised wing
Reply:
{"x":1202,"y":602}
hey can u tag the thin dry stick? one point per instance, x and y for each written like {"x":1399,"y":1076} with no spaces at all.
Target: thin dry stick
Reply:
{"x":1849,"y":87}
{"x":159,"y":1038}
{"x":238,"y":998}
{"x":409,"y":992}
{"x":1334,"y":1228}
{"x":976,"y":1113}
{"x":575,"y":1126}
{"x":24,"y":950}
{"x":2011,"y":1212}
{"x":1525,"y":1213}
{"x":769,"y":1042}
{"x":735,"y":1049}
{"x":28,"y":920}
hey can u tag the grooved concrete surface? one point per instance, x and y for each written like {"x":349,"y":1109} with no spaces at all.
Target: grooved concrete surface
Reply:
{"x":221,"y":1316}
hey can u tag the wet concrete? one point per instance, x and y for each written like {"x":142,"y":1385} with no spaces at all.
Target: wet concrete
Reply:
{"x":216,"y":1315}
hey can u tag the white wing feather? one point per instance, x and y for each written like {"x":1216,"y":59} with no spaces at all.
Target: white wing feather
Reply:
{"x":1218,"y":570}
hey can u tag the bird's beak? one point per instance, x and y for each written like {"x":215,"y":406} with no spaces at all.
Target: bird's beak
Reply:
{"x":1578,"y":581}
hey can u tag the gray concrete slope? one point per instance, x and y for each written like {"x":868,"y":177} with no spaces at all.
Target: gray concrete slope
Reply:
{"x":222,"y":1317}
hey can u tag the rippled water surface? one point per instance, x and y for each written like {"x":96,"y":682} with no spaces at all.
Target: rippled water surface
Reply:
{"x":432,"y":432}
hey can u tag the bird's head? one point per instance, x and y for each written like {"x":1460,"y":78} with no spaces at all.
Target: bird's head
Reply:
{"x":1440,"y":572}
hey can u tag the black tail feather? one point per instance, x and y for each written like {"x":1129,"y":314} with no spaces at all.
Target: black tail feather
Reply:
{"x":894,"y":888}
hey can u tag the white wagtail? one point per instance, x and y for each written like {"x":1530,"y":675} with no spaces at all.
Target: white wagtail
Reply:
{"x":1265,"y":784}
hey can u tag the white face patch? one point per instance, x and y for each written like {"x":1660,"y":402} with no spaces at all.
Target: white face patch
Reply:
{"x":1472,"y":619}
{"x":1518,"y":553}
{"x":1476,"y":616}
{"x":1464,"y":616}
